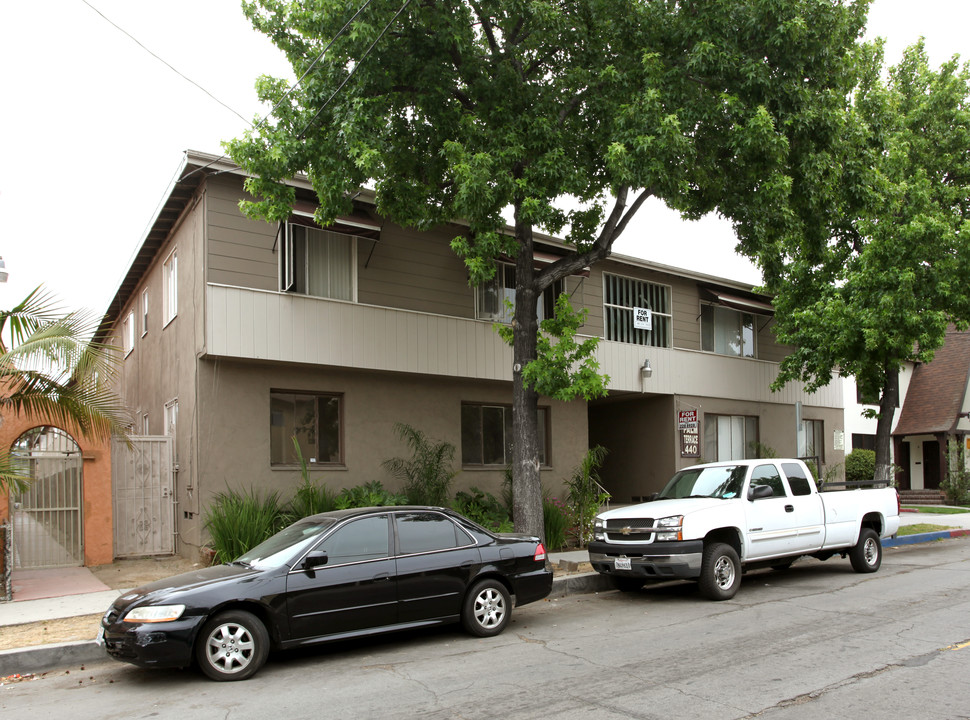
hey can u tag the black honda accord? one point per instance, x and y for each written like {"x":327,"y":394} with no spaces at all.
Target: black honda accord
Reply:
{"x":328,"y":577}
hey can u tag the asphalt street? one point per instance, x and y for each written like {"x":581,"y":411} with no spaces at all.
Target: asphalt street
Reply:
{"x":816,"y":641}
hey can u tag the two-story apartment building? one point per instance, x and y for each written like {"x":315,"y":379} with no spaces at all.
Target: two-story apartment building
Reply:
{"x":241,"y":335}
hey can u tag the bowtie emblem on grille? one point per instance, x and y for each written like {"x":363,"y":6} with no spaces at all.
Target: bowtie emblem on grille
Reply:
{"x":626,"y":531}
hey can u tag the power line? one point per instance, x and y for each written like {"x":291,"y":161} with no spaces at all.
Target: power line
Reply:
{"x":162,"y":60}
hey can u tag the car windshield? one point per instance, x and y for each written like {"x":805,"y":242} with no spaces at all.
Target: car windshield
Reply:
{"x":286,"y":545}
{"x":722,"y":481}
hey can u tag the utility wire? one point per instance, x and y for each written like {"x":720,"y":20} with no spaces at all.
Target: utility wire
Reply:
{"x":162,"y":60}
{"x":387,"y":27}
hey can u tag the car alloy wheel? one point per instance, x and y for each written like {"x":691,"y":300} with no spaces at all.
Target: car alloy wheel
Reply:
{"x":487,"y":608}
{"x":232,"y":646}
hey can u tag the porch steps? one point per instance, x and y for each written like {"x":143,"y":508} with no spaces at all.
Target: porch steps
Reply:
{"x":922,"y":497}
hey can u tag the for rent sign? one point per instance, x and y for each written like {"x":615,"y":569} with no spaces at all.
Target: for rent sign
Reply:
{"x":687,"y":421}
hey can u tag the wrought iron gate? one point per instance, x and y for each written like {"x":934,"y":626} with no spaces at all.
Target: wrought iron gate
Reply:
{"x":47,"y":518}
{"x":143,"y":491}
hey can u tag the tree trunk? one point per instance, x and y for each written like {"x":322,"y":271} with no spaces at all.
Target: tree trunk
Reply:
{"x":526,"y":482}
{"x":884,"y":425}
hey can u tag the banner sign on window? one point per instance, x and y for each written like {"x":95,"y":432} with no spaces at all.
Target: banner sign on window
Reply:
{"x":689,"y":433}
{"x":642,"y":318}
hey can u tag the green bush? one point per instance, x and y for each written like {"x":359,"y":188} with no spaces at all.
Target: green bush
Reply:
{"x":370,"y":494}
{"x":426,"y":476}
{"x":556,"y":519}
{"x":484,"y":508}
{"x":238,"y":522}
{"x":956,"y":484}
{"x":310,"y":498}
{"x":860,"y":466}
{"x":585,"y":494}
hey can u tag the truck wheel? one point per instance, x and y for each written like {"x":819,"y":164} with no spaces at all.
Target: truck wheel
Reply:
{"x":720,"y":572}
{"x":626,"y":584}
{"x":866,"y":555}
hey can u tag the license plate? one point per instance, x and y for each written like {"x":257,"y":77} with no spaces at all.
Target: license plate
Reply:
{"x":622,"y":563}
{"x":100,"y":639}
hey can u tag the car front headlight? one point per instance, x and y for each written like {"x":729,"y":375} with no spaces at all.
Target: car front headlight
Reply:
{"x":598,"y":529}
{"x":675,"y":523}
{"x":154,"y":613}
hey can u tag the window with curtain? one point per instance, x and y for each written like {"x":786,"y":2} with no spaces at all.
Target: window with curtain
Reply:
{"x":314,"y":420}
{"x":318,"y":262}
{"x":727,"y":332}
{"x":491,"y":296}
{"x":730,"y":437}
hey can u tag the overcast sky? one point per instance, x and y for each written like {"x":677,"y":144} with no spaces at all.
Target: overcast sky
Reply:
{"x":93,"y":129}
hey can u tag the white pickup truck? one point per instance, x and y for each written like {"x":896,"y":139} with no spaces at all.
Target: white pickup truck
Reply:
{"x":712,"y":521}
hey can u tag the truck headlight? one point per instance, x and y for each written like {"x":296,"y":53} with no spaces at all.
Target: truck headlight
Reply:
{"x":675,"y":523}
{"x":599,"y":533}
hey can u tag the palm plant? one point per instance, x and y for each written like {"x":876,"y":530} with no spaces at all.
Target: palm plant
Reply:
{"x":50,"y":369}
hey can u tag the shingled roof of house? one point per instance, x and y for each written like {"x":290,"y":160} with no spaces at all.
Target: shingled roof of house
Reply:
{"x":937,"y":390}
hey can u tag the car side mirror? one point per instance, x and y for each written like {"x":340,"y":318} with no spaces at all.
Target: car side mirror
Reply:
{"x":315,"y":559}
{"x":758,"y":492}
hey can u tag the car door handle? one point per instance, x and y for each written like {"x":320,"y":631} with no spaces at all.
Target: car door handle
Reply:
{"x":789,"y":508}
{"x":382,"y":576}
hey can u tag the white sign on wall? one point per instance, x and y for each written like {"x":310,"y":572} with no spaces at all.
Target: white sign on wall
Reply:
{"x":642,"y":318}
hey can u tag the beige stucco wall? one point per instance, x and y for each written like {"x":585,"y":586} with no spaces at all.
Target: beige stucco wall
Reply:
{"x":234,"y":432}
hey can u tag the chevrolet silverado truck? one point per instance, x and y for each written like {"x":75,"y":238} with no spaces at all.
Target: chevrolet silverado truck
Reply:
{"x":711,"y":522}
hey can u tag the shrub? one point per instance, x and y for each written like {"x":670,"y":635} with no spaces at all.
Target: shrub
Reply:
{"x":860,"y":466}
{"x":585,"y":493}
{"x":555,"y":517}
{"x":956,"y":484}
{"x":426,"y":476}
{"x":310,"y":498}
{"x":238,"y":522}
{"x":368,"y":495}
{"x":484,"y":508}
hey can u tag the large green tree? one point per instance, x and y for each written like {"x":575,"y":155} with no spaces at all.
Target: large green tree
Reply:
{"x":895,"y":271}
{"x":51,"y":371}
{"x":568,"y":115}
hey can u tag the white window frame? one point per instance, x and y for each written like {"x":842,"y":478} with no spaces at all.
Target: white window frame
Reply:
{"x":144,"y":424}
{"x":170,"y":288}
{"x":128,"y":333}
{"x":288,"y":271}
{"x":144,"y":312}
{"x":506,"y":314}
{"x":171,"y":416}
{"x":630,"y":335}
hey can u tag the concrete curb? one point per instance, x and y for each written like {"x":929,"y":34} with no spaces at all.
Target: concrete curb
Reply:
{"x":43,"y":658}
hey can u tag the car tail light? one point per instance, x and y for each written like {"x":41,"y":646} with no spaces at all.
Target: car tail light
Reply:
{"x":540,"y":555}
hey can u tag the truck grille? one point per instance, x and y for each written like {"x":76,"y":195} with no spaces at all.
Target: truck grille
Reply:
{"x":638,"y":530}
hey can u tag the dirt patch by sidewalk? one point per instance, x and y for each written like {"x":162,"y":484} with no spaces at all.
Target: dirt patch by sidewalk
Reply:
{"x":119,"y":575}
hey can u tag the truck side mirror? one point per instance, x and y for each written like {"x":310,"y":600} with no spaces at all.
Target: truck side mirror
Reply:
{"x":758,"y":492}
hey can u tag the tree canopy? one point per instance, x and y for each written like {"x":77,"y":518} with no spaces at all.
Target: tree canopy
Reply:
{"x":565,"y":114}
{"x":896,"y":273}
{"x":51,"y":371}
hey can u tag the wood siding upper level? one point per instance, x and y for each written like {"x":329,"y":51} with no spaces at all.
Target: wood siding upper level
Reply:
{"x":259,"y":325}
{"x":407,"y":269}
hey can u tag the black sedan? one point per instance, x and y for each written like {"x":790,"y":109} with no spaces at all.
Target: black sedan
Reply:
{"x":328,"y":577}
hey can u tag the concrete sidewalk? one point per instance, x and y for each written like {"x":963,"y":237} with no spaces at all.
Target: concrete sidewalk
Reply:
{"x":66,"y":601}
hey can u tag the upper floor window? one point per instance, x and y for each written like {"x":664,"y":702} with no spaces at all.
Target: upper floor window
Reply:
{"x":144,"y":312}
{"x":636,"y":311}
{"x":315,"y":422}
{"x":492,"y":295}
{"x":486,"y":435}
{"x":128,"y":332}
{"x":318,"y":262}
{"x":727,"y":332}
{"x":170,"y":305}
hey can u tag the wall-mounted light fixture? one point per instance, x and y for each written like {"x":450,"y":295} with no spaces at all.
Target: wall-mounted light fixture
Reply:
{"x":963,"y":415}
{"x":645,"y":369}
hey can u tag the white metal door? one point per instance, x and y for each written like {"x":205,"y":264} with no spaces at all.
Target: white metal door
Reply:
{"x":143,"y":491}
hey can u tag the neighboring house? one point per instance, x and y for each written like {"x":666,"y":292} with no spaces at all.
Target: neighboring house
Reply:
{"x":934,"y":413}
{"x":240,"y":335}
{"x":860,"y":431}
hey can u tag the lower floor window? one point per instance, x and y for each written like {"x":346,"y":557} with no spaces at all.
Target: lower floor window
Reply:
{"x":314,"y":420}
{"x":486,"y":434}
{"x":811,"y":440}
{"x":730,"y":437}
